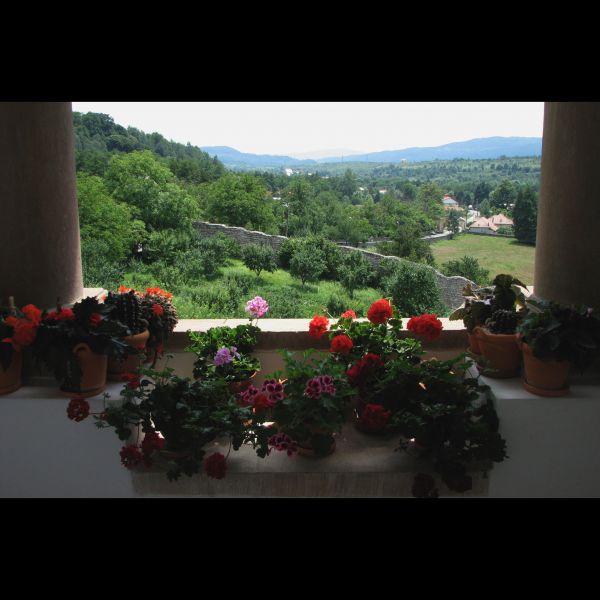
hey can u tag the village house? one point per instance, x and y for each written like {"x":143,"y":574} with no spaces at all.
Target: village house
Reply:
{"x":491,"y":225}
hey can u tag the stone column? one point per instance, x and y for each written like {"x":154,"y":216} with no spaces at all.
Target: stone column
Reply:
{"x":40,"y":257}
{"x":567,"y":257}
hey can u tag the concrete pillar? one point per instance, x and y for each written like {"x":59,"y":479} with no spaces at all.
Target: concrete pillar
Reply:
{"x":40,"y":257}
{"x":567,"y":266}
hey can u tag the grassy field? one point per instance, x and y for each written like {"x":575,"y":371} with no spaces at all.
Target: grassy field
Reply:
{"x":498,"y":255}
{"x":226,"y":295}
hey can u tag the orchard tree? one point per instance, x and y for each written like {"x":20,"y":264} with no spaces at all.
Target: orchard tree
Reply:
{"x":354,"y":272}
{"x":259,"y":258}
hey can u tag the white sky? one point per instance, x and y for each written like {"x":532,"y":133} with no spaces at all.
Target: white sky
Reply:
{"x":309,"y":127}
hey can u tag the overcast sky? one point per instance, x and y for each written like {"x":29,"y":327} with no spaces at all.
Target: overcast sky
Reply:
{"x":297,"y":128}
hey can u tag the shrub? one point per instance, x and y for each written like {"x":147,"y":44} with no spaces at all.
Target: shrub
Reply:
{"x":99,"y":271}
{"x":232,"y":248}
{"x":242,"y":282}
{"x":467,"y":266}
{"x":286,"y":251}
{"x":414,"y":290}
{"x":326,"y":249}
{"x":259,"y":258}
{"x":284,"y":303}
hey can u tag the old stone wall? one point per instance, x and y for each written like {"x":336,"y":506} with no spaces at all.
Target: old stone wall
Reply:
{"x":450,"y":287}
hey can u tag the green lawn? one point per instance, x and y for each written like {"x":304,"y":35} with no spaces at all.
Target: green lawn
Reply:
{"x":226,"y":295}
{"x":498,"y":255}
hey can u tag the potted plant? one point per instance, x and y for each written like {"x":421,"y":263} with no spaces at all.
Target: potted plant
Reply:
{"x":552,"y":337}
{"x":311,"y":408}
{"x":75,"y":344}
{"x":225,"y":352}
{"x":443,"y":420}
{"x":365,"y":348}
{"x":170,"y":421}
{"x":477,"y":308}
{"x":18,"y":330}
{"x":158,"y":310}
{"x":497,"y":337}
{"x":127,"y":309}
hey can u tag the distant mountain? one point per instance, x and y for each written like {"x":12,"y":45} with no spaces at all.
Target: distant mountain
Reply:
{"x":231,"y":157}
{"x":491,"y":147}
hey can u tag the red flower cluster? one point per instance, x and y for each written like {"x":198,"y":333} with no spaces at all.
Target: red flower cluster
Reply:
{"x":151,"y":442}
{"x":24,"y":330}
{"x":281,"y":442}
{"x":359,"y":373}
{"x":158,"y":292}
{"x":427,"y":325}
{"x":349,"y":314}
{"x":78,"y":409}
{"x":60,"y":315}
{"x":380,"y":311}
{"x":215,"y":466}
{"x":261,"y":402}
{"x":130,"y":456}
{"x":132,"y":379}
{"x":158,"y":310}
{"x":374,"y":417}
{"x":341,"y":343}
{"x":318,"y":326}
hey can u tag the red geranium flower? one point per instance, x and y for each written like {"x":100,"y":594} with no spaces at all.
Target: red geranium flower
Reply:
{"x":33,"y":313}
{"x":152,"y":441}
{"x":158,"y":310}
{"x":374,"y":417}
{"x":364,"y":368}
{"x":380,"y":311}
{"x":349,"y":314}
{"x":341,"y":343}
{"x":78,"y":409}
{"x":261,"y":401}
{"x":132,"y":379}
{"x":130,"y":456}
{"x":24,"y":332}
{"x":318,"y":326}
{"x":95,"y":319}
{"x":215,"y":466}
{"x":427,"y":325}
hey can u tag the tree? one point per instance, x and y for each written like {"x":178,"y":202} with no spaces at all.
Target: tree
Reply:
{"x":348,"y":184}
{"x":240,"y":200}
{"x":104,"y":223}
{"x":307,"y":265}
{"x":429,"y":198}
{"x":482,"y":192}
{"x":354,"y":272}
{"x":259,"y":258}
{"x":485,"y":208}
{"x":452,"y":223}
{"x":503,"y":195}
{"x":141,"y":181}
{"x":525,"y":215}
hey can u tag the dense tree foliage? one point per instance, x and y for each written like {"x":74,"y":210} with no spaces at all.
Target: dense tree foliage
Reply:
{"x":467,"y":266}
{"x":525,"y":216}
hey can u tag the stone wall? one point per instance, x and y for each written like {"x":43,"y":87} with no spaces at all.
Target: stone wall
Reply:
{"x":450,"y":287}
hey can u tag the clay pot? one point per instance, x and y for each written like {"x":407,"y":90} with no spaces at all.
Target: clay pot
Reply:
{"x":10,"y":380}
{"x":543,"y":378}
{"x":474,"y":347}
{"x":236,"y":387}
{"x":93,"y":373}
{"x":116,"y":368}
{"x":306,"y":449}
{"x":501,"y":352}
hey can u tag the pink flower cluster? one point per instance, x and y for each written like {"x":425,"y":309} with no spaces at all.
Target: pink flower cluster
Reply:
{"x":225,"y":355}
{"x":270,"y":393}
{"x":323,"y":384}
{"x":281,"y":442}
{"x":257,"y":307}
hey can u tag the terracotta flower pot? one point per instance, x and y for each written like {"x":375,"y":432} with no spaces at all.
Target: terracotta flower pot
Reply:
{"x":236,"y":387}
{"x":10,"y":380}
{"x":543,"y":378}
{"x":305,"y":447}
{"x":474,"y":347}
{"x":501,"y":352}
{"x":116,"y":368}
{"x":93,"y":373}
